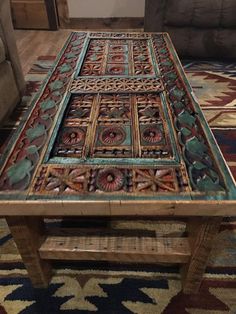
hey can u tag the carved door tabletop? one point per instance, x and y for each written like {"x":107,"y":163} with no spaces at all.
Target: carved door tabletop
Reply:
{"x":116,"y":123}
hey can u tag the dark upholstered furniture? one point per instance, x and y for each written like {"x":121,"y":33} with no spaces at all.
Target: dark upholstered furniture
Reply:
{"x":198,"y":28}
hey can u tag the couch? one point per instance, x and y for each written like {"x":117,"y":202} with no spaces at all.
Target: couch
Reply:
{"x":198,"y":28}
{"x":11,"y":77}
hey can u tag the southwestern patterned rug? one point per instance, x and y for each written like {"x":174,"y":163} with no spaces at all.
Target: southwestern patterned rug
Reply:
{"x":142,"y":289}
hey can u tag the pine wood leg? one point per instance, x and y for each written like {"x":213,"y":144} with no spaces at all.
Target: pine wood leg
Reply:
{"x":201,"y":233}
{"x":28,"y":233}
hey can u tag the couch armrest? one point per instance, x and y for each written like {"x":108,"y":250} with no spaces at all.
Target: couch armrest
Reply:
{"x":8,"y":38}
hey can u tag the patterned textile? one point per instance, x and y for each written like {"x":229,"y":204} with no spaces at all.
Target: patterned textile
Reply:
{"x":214,"y":84}
{"x":106,"y":288}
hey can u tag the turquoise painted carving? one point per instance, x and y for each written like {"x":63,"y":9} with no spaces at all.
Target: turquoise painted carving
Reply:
{"x":35,"y":132}
{"x":19,"y":171}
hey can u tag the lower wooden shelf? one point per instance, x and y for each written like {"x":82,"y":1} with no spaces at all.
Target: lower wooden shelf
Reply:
{"x":38,"y":244}
{"x":116,"y":249}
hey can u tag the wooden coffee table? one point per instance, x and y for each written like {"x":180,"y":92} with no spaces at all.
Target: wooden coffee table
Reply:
{"x":115,"y":132}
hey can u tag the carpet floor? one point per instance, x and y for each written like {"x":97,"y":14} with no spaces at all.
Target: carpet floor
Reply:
{"x":105,"y":288}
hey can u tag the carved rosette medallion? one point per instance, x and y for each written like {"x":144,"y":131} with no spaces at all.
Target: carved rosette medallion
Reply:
{"x":73,"y":137}
{"x":112,"y":136}
{"x":110,"y":180}
{"x":152,"y":135}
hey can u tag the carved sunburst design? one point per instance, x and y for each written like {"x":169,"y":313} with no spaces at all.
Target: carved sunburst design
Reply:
{"x":112,"y":136}
{"x":110,"y":180}
{"x":73,"y":136}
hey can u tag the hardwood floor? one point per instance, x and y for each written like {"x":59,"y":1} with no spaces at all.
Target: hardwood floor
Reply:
{"x":32,"y":43}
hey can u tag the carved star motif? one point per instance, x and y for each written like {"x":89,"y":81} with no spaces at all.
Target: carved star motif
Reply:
{"x":155,"y":180}
{"x":62,"y":179}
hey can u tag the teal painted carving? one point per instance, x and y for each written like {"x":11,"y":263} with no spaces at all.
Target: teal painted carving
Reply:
{"x":35,"y":132}
{"x":186,"y":118}
{"x":65,"y":68}
{"x":70,"y":55}
{"x":196,"y":147}
{"x":47,"y":104}
{"x":201,"y":167}
{"x":19,"y":171}
{"x":56,"y":85}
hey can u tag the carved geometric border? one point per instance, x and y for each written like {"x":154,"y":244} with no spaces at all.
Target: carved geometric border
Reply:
{"x":77,"y":180}
{"x":119,"y":35}
{"x":116,"y":85}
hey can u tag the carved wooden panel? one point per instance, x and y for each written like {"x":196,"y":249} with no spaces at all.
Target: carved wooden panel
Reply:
{"x":116,"y":120}
{"x":113,"y":125}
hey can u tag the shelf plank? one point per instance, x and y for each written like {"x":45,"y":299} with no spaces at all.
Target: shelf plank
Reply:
{"x":116,"y":248}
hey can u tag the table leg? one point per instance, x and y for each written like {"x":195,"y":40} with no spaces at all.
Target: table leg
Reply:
{"x":28,"y":233}
{"x":201,"y":233}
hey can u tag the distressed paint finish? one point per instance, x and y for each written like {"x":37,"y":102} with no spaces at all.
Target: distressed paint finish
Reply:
{"x":116,"y":119}
{"x":32,"y":138}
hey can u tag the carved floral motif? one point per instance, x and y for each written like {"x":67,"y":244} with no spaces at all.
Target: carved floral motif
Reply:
{"x":58,"y":180}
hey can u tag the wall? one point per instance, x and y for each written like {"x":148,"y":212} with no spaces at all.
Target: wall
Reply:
{"x":106,"y":8}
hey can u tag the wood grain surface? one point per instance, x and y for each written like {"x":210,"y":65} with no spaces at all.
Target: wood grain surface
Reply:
{"x":201,"y":234}
{"x":116,"y":249}
{"x":28,"y":234}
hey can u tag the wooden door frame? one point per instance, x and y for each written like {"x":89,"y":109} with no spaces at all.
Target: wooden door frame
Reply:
{"x":52,"y":13}
{"x":49,"y":16}
{"x":63,"y":13}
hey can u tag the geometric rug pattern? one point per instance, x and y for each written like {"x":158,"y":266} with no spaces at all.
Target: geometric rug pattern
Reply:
{"x":214,"y":84}
{"x":105,"y":288}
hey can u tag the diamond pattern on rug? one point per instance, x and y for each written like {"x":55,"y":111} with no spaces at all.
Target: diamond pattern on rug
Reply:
{"x":220,"y":118}
{"x":226,"y":140}
{"x":212,"y":89}
{"x":159,"y":298}
{"x":227,"y":296}
{"x":11,"y":305}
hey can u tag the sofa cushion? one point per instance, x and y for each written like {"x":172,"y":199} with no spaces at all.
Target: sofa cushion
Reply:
{"x":202,"y":43}
{"x":200,"y":13}
{"x":2,"y":51}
